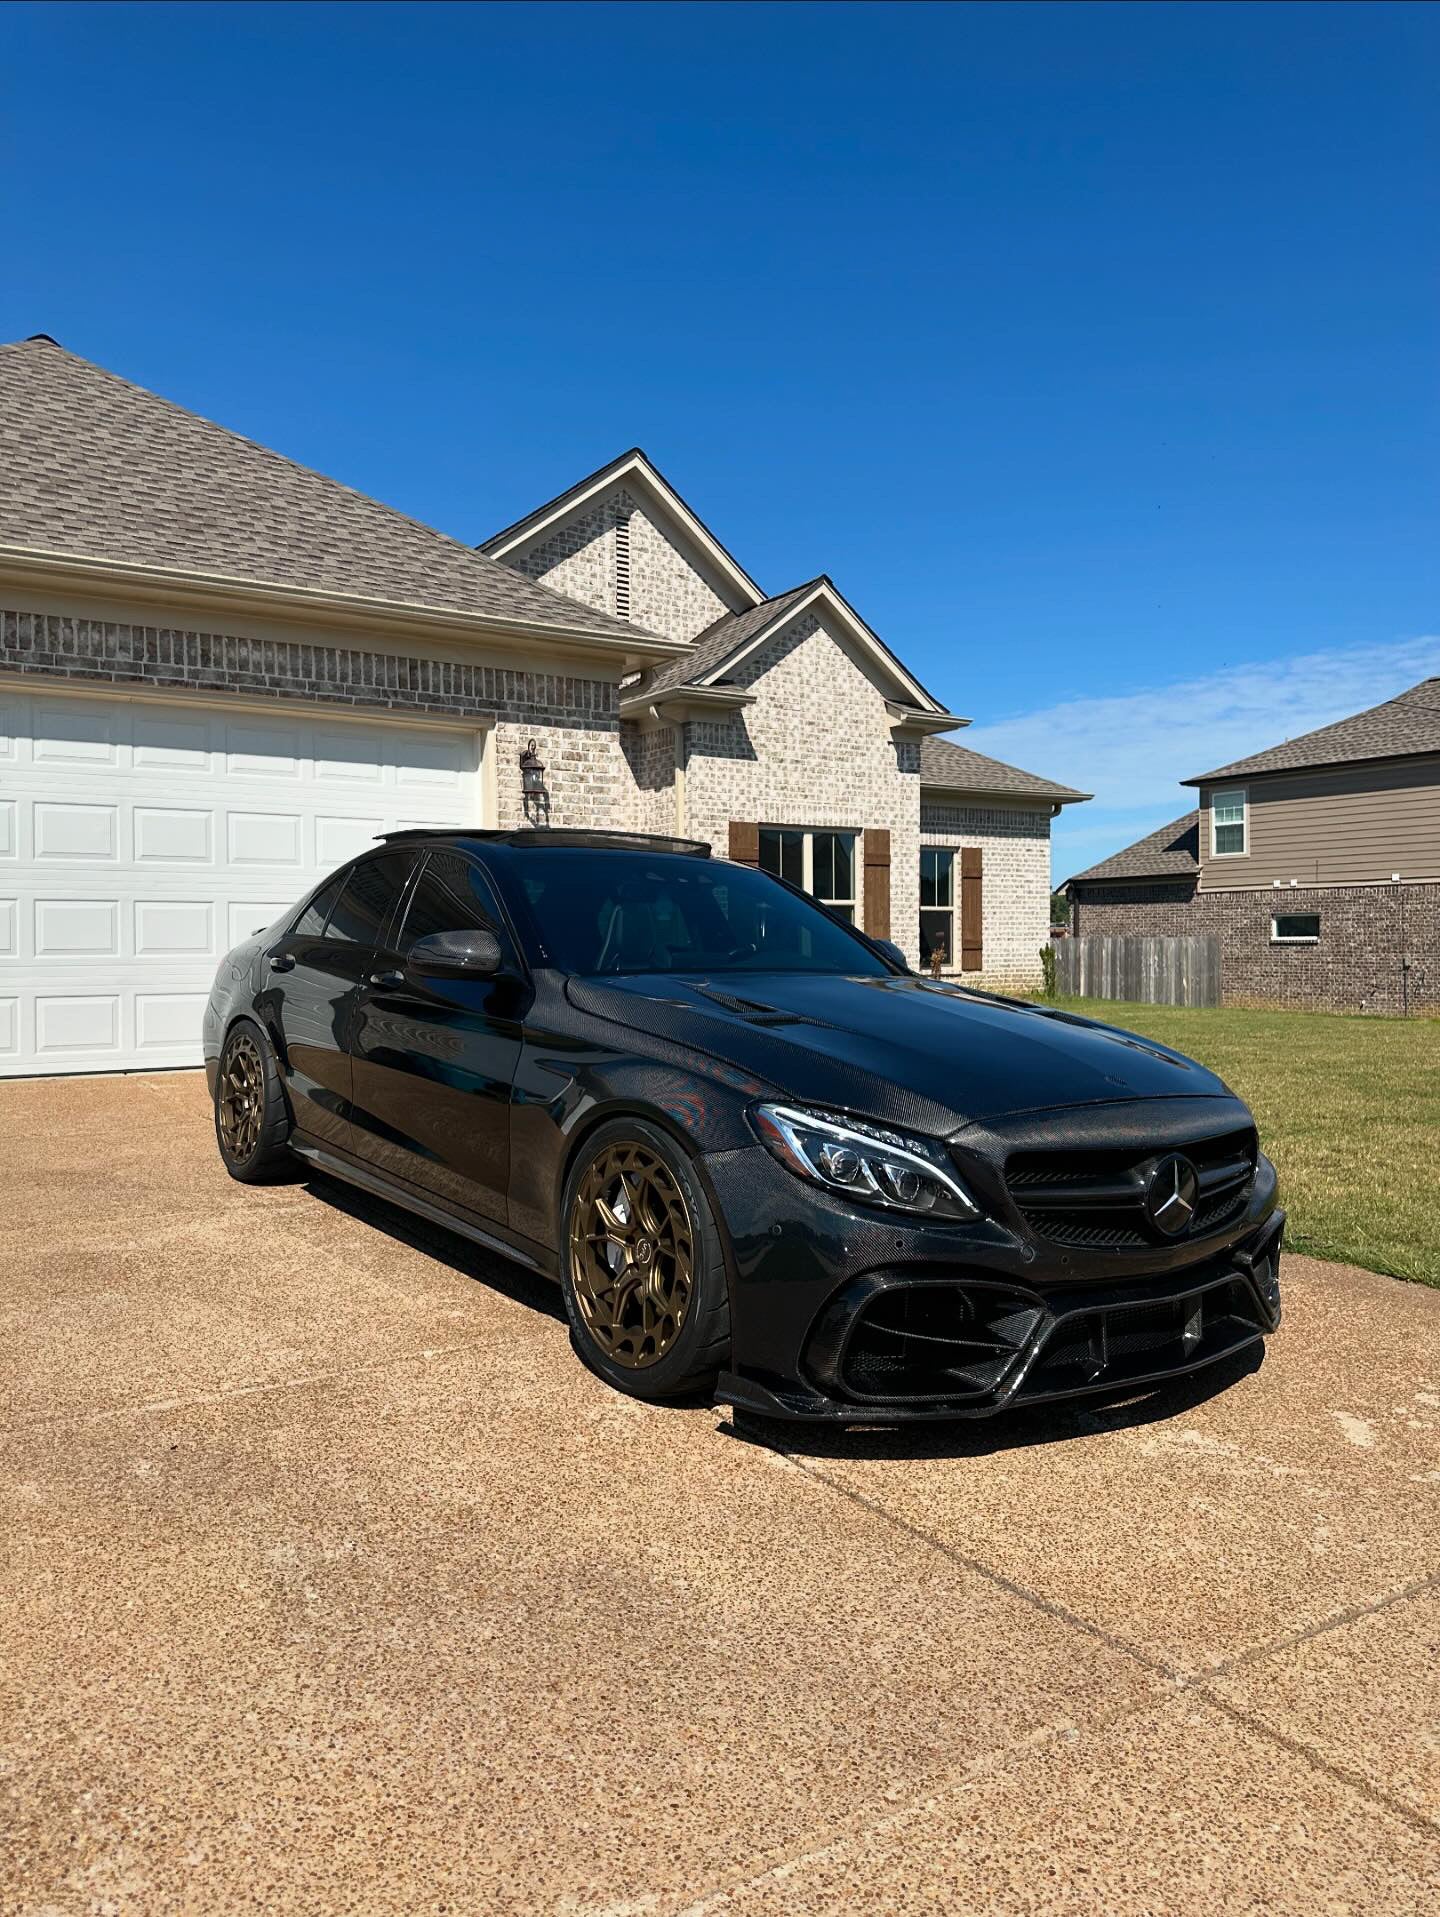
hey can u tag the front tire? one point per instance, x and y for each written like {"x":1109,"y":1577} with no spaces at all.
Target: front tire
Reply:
{"x":641,"y":1265}
{"x":251,"y":1119}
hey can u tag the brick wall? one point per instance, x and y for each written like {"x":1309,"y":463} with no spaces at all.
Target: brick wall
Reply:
{"x":669,"y":593}
{"x":1355,"y":967}
{"x":1015,"y":843}
{"x":573,"y":720}
{"x":814,"y":750}
{"x":648,"y":796}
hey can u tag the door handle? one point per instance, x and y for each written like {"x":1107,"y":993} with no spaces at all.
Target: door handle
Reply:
{"x":281,"y":962}
{"x":388,"y":981}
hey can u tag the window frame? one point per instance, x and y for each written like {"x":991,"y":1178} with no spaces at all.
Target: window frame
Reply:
{"x":807,"y":834}
{"x":1231,"y":793}
{"x":951,"y":961}
{"x":1277,"y":937}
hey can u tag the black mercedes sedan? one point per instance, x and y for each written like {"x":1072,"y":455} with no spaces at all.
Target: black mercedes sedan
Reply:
{"x":762,"y":1158}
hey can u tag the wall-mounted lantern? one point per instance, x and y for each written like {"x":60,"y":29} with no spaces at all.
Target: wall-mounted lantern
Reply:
{"x":535,"y":797}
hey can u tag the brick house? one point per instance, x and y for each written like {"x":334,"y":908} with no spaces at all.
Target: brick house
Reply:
{"x":1316,"y":864}
{"x":221,"y":674}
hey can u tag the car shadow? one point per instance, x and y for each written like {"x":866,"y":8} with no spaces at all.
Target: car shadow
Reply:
{"x":866,"y":1437}
{"x":488,"y":1268}
{"x":1019,"y":1430}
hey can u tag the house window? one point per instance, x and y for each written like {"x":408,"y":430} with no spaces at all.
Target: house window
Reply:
{"x":937,"y":906}
{"x":1295,"y":928}
{"x":1229,"y":823}
{"x":822,"y":863}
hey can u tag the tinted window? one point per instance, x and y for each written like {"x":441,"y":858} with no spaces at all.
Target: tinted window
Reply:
{"x":607,"y":912}
{"x":452,"y":895}
{"x":311,"y":922}
{"x":368,"y":898}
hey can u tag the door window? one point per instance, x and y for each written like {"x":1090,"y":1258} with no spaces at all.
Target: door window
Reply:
{"x":451,"y":895}
{"x":369,"y":899}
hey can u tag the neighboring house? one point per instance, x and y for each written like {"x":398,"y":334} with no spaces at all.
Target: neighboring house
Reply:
{"x":221,"y":674}
{"x":1316,"y":865}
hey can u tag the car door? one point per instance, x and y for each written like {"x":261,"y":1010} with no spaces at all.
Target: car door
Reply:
{"x":434,"y":1058}
{"x":313,"y":975}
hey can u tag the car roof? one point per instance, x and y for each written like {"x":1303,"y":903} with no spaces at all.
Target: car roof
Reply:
{"x":547,"y":838}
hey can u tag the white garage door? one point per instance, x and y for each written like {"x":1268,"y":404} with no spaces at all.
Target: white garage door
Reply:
{"x":140,"y":840}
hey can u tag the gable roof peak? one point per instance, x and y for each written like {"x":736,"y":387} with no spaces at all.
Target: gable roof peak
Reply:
{"x":636,"y":463}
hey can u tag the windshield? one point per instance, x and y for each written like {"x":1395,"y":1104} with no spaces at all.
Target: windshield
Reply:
{"x":606,"y":912}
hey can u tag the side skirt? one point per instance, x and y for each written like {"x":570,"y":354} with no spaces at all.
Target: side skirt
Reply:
{"x":379,"y":1186}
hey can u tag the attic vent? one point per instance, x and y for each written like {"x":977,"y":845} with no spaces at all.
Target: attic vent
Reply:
{"x":622,"y":565}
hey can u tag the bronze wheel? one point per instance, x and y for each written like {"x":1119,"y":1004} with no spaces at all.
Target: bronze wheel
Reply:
{"x":632,"y":1254}
{"x":240,"y":1101}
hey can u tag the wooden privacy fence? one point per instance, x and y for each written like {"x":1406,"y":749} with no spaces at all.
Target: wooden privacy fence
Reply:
{"x":1150,"y":971}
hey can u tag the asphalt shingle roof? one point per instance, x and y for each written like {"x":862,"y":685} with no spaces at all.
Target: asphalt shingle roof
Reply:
{"x":1171,"y":853}
{"x":95,"y":467}
{"x":1407,"y":724}
{"x":728,"y":634}
{"x":957,"y":767}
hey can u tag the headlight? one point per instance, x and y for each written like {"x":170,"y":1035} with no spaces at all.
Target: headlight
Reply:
{"x":864,"y":1161}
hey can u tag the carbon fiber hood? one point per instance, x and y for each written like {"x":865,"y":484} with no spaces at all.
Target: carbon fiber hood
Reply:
{"x":906,"y":1050}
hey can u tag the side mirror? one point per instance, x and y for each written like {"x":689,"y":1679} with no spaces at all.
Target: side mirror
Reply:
{"x":473,"y":954}
{"x":892,"y":952}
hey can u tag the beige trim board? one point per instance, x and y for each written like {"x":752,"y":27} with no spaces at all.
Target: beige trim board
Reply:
{"x":291,"y":703}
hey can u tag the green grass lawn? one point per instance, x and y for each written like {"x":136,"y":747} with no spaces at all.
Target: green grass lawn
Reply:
{"x":1348,"y":1108}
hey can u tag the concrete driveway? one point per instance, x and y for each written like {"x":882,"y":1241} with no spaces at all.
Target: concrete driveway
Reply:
{"x":333,"y":1583}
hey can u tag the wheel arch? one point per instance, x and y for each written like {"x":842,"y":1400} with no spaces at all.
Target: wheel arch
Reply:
{"x":602,"y":1115}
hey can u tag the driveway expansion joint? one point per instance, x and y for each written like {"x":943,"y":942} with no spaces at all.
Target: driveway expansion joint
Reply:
{"x":1195,"y":1683}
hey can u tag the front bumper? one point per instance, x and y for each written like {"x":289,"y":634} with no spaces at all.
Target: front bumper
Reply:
{"x":851,"y":1317}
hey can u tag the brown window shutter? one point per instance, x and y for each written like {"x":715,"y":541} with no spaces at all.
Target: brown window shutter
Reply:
{"x":877,"y":883}
{"x":972,"y":909}
{"x":744,"y":842}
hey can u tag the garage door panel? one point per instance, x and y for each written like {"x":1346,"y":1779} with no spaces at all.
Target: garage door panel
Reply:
{"x":172,"y":928}
{"x":172,"y":740}
{"x":174,"y":835}
{"x":68,"y":831}
{"x":71,"y":732}
{"x":141,"y":839}
{"x":264,"y":752}
{"x":77,"y":1025}
{"x":88,"y":928}
{"x":167,"y":1021}
{"x":338,"y":839}
{"x":350,"y":755}
{"x":264,"y":838}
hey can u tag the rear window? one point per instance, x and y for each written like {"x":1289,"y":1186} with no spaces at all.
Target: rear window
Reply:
{"x":311,"y":922}
{"x":369,"y":898}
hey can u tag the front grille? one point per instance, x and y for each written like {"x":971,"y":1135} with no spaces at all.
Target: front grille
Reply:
{"x":1095,"y":1200}
{"x":936,"y":1341}
{"x":1118,"y":1345}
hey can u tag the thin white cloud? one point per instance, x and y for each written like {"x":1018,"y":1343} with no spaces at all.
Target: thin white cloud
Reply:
{"x":1132,"y":750}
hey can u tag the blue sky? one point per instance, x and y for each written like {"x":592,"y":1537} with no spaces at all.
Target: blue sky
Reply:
{"x":1091,"y":349}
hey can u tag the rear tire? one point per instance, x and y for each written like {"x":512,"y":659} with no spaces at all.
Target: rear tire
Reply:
{"x":252,"y":1122}
{"x":642,"y":1269}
